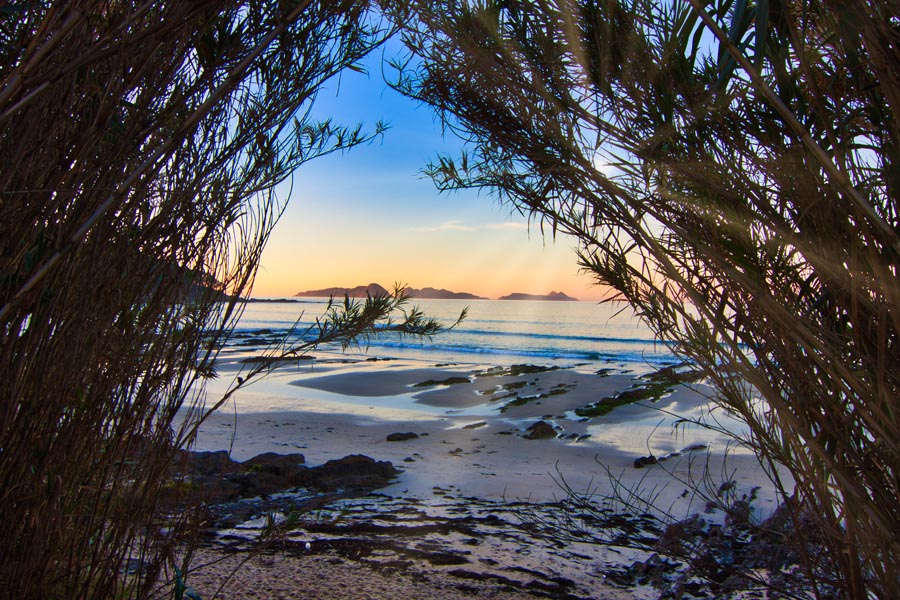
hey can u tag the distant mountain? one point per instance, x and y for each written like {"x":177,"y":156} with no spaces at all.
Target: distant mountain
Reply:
{"x":360,"y":291}
{"x":373,"y":289}
{"x":426,"y":293}
{"x":429,"y":293}
{"x":551,"y":296}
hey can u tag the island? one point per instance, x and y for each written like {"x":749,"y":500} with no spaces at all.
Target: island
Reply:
{"x":360,"y":291}
{"x":558,"y":296}
{"x":431,"y":293}
{"x":374,"y":289}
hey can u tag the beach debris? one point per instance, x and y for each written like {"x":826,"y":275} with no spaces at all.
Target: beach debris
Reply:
{"x":694,"y":448}
{"x":643,"y":461}
{"x":653,"y":571}
{"x":605,"y":372}
{"x":475,"y":425}
{"x":402,"y":437}
{"x":540,"y":430}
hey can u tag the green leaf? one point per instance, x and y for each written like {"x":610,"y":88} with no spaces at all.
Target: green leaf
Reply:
{"x":736,"y":30}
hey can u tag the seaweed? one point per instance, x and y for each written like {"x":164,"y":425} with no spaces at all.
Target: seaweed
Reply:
{"x":506,"y":387}
{"x":652,"y":388}
{"x":448,"y":381}
{"x":515,"y":371}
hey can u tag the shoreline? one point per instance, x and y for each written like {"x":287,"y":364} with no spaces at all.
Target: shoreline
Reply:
{"x":469,"y":460}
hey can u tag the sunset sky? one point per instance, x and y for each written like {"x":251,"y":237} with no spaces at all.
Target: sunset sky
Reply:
{"x":369,"y":215}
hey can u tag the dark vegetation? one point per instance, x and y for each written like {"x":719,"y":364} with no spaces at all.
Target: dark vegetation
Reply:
{"x":730,"y":169}
{"x":140,"y":143}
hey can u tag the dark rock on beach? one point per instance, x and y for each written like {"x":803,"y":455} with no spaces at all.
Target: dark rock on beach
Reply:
{"x":541,"y":430}
{"x":643,"y":461}
{"x":215,"y":477}
{"x":401,"y":437}
{"x":206,"y":464}
{"x":280,"y":464}
{"x":355,"y":471}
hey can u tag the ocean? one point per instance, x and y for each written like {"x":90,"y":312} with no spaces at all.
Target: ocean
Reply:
{"x":499,"y":332}
{"x":585,"y":353}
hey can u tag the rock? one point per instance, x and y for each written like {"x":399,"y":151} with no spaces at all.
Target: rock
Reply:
{"x":206,"y":463}
{"x":640,"y":463}
{"x":250,"y":484}
{"x":401,"y":437}
{"x":280,"y":464}
{"x":355,"y":471}
{"x":216,"y":478}
{"x":540,"y":430}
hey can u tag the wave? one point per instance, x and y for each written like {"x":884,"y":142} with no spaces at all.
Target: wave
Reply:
{"x":546,"y":346}
{"x":643,"y":356}
{"x":556,"y":336}
{"x":486,"y":334}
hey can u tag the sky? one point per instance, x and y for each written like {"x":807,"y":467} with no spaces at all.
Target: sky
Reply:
{"x":370,"y":216}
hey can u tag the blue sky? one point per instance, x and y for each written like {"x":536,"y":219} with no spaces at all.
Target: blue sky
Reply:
{"x":369,"y":215}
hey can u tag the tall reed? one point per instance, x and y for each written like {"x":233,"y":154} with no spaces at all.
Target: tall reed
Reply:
{"x":140,"y":143}
{"x":730,"y":169}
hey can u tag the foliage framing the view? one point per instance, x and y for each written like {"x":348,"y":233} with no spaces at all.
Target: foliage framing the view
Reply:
{"x":140,"y":143}
{"x":731,"y":169}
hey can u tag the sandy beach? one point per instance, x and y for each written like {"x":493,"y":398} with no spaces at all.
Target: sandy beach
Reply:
{"x":478,"y":482}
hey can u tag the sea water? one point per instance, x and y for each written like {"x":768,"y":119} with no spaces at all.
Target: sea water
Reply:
{"x":591,"y":338}
{"x":494,"y":331}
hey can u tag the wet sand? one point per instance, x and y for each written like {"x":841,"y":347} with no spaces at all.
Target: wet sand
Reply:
{"x":471,"y":456}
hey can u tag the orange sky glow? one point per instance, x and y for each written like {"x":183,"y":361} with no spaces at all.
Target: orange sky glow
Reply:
{"x":369,"y":215}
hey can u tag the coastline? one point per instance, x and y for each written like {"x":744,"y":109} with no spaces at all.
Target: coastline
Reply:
{"x":472,"y":457}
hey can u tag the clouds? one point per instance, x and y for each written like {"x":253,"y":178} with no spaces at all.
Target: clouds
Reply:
{"x":445,"y":226}
{"x":508,"y":226}
{"x":456,"y":225}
